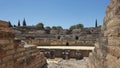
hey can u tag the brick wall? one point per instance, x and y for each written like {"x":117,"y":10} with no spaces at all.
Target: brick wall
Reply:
{"x":17,"y":55}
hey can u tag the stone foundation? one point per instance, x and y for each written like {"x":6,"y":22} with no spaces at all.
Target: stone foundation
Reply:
{"x":15,"y":54}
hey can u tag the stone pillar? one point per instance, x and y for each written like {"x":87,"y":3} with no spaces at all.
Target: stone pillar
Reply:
{"x":112,"y":32}
{"x":52,"y":54}
{"x":112,"y":23}
{"x":78,"y":55}
{"x":107,"y":50}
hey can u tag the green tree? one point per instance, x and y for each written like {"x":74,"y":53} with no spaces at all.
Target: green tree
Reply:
{"x":18,"y":22}
{"x":10,"y":25}
{"x":54,"y":28}
{"x":57,"y":27}
{"x":96,"y":25}
{"x":40,"y":25}
{"x":72,"y":27}
{"x":77,"y":26}
{"x":24,"y":22}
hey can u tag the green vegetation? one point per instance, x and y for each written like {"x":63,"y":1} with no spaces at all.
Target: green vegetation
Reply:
{"x":10,"y":25}
{"x":78,"y":26}
{"x":25,"y":30}
{"x":40,"y":25}
{"x":24,"y":22}
{"x":96,"y":25}
{"x":57,"y":28}
{"x":18,"y":22}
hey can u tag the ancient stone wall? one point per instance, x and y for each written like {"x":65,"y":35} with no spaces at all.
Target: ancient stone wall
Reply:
{"x":107,"y":51}
{"x":82,"y":37}
{"x":14,"y":54}
{"x":4,"y":24}
{"x":60,"y":43}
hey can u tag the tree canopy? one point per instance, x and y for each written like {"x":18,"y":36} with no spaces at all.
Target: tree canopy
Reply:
{"x":40,"y":25}
{"x":77,"y":26}
{"x":18,"y":22}
{"x":10,"y":25}
{"x":57,"y":27}
{"x":24,"y":22}
{"x":96,"y":25}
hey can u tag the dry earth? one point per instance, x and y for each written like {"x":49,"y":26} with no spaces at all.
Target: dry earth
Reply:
{"x":71,"y":63}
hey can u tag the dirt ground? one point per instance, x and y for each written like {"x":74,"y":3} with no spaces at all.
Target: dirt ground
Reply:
{"x":71,"y":63}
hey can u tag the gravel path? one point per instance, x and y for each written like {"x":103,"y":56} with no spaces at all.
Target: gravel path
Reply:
{"x":72,"y":63}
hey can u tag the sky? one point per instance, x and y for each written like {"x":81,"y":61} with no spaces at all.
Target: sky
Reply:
{"x":63,"y":13}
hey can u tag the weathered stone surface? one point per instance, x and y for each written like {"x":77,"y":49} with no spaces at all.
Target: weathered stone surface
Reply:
{"x":107,"y":52}
{"x":112,"y":61}
{"x":4,"y":24}
{"x":13,"y":54}
{"x":86,"y":36}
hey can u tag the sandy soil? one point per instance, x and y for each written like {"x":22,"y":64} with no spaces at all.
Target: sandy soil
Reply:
{"x":71,"y":63}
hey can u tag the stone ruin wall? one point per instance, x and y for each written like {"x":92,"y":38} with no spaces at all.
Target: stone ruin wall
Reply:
{"x":82,"y":37}
{"x":60,"y":43}
{"x":107,"y":50}
{"x":14,"y":54}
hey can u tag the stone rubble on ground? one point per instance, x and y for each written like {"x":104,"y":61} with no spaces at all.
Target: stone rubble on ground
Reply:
{"x":71,"y":63}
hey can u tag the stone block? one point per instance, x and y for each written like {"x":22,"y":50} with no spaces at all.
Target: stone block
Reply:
{"x":2,"y":29}
{"x":115,"y":31}
{"x":2,"y":52}
{"x":14,"y":56}
{"x":0,"y":60}
{"x":114,"y":41}
{"x":3,"y":41}
{"x":3,"y":65}
{"x":7,"y":58}
{"x":19,"y":65}
{"x":114,"y":50}
{"x":112,"y":61}
{"x":20,"y":54}
{"x":20,"y":49}
{"x":10,"y":64}
{"x":108,"y":9}
{"x":8,"y":47}
{"x":113,"y":23}
{"x":4,"y":24}
{"x":10,"y":52}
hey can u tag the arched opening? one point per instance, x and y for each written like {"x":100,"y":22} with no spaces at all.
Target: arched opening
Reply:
{"x":67,"y":44}
{"x":76,"y":37}
{"x":58,"y":37}
{"x":52,"y":54}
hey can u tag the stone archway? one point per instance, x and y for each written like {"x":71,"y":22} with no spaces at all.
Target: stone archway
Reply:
{"x":76,"y":38}
{"x":67,"y":44}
